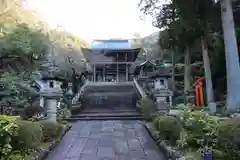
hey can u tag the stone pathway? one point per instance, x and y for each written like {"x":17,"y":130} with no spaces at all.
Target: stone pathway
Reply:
{"x":106,"y":140}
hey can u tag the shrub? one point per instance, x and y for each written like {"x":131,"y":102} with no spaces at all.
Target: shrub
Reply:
{"x":51,"y":130}
{"x":200,"y":130}
{"x":8,"y":130}
{"x":228,"y":138}
{"x":148,"y":107}
{"x":169,"y":128}
{"x":180,"y":106}
{"x":29,"y":135}
{"x":17,"y":156}
{"x":63,"y":113}
{"x":31,"y":111}
{"x":193,"y":156}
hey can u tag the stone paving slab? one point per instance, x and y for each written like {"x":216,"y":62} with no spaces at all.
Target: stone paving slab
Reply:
{"x":106,"y":140}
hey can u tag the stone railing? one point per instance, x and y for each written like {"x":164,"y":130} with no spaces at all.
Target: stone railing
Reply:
{"x":77,"y":96}
{"x":140,"y":89}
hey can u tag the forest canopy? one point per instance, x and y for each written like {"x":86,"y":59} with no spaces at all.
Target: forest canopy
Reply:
{"x":26,"y":43}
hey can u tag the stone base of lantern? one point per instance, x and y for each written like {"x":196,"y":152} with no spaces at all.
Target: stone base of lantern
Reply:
{"x":50,"y":104}
{"x":51,"y":109}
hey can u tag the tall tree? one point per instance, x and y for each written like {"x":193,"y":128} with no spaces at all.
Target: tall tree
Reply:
{"x":202,"y":21}
{"x":232,"y":57}
{"x":196,"y":19}
{"x":23,"y":44}
{"x":178,"y":37}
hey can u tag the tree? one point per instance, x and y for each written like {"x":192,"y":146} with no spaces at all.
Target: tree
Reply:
{"x":25,"y":44}
{"x":195,"y":20}
{"x":66,"y":52}
{"x":232,"y":57}
{"x":178,"y":37}
{"x":203,"y":22}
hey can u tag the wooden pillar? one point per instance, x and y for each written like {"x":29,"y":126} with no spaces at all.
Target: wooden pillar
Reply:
{"x":117,"y":69}
{"x":94,"y":72}
{"x":126,"y":72}
{"x":104,"y":73}
{"x":126,"y":67}
{"x":117,"y":72}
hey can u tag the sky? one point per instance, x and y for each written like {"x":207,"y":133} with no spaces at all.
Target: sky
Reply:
{"x":95,"y":19}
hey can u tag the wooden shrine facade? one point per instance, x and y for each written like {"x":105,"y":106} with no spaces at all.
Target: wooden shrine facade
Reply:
{"x":111,"y":64}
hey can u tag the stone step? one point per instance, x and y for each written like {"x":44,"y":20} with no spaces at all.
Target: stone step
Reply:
{"x":107,"y":115}
{"x":117,"y":110}
{"x":105,"y":118}
{"x":111,"y":112}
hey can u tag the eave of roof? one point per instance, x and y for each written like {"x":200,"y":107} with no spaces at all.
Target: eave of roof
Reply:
{"x":115,"y":50}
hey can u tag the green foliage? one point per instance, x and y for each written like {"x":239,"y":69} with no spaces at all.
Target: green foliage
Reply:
{"x":197,"y":132}
{"x":193,"y":156}
{"x":228,"y":138}
{"x":180,"y":106}
{"x":51,"y":130}
{"x":8,"y":130}
{"x":27,"y":41}
{"x":63,"y":112}
{"x":29,"y":135}
{"x":200,"y":130}
{"x":148,"y":107}
{"x":23,"y":44}
{"x":11,"y":93}
{"x":17,"y":137}
{"x":183,"y":24}
{"x":169,"y":128}
{"x":31,"y":112}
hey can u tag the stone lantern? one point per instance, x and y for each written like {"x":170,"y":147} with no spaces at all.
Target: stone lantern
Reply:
{"x":51,"y":97}
{"x":51,"y":91}
{"x":161,"y":91}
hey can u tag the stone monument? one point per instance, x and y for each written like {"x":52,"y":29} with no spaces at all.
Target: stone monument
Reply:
{"x":161,"y":91}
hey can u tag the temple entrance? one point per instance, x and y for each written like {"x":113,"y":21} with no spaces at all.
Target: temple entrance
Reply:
{"x":111,"y":65}
{"x":111,"y":72}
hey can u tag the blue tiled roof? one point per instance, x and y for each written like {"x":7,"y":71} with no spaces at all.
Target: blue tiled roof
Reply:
{"x":110,"y":44}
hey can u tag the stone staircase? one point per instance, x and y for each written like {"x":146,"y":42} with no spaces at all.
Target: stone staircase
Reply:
{"x":109,"y":101}
{"x":108,"y":114}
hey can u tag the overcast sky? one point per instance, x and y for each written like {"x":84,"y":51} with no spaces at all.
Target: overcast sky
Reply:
{"x":95,"y":19}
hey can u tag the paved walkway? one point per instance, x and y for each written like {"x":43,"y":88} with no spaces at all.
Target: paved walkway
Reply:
{"x":106,"y":140}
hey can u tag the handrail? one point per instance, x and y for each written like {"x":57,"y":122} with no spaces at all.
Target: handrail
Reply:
{"x":139,"y":88}
{"x":77,"y":96}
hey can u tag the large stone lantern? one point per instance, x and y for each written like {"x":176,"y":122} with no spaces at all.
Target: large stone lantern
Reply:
{"x":51,"y":91}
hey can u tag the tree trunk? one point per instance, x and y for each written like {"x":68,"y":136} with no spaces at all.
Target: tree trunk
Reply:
{"x":187,"y":70}
{"x":173,"y":70}
{"x":208,"y":77}
{"x":232,"y":59}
